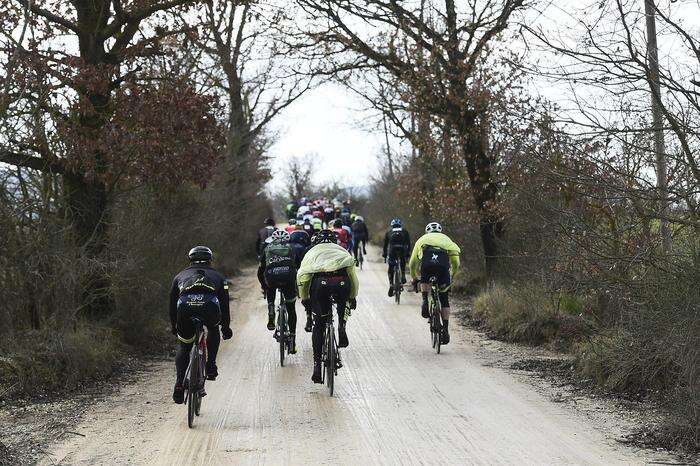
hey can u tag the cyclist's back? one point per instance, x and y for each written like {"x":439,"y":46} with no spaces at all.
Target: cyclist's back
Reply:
{"x":327,"y":274}
{"x":396,"y":250}
{"x":198,"y":291}
{"x":435,"y":255}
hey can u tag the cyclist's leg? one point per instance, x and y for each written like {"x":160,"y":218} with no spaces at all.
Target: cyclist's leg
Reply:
{"x":321,"y":308}
{"x":342,"y":294}
{"x":185,"y":335}
{"x":391,"y":261}
{"x":212,"y":316}
{"x":355,"y":248}
{"x":271,"y":294}
{"x":290,"y":298}
{"x":444,"y":282}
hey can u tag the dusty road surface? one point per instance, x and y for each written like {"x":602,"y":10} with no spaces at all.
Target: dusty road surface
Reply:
{"x":396,"y":402}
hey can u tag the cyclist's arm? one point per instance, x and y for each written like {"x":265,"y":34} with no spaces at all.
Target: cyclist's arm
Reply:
{"x":454,"y":263}
{"x":172,"y":308}
{"x":386,"y":244}
{"x":354,"y":283}
{"x":224,"y":303}
{"x":304,"y":283}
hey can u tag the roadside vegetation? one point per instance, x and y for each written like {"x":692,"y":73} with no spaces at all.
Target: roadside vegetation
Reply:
{"x":557,"y":144}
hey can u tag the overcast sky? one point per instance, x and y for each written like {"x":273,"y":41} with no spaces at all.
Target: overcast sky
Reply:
{"x":328,"y":122}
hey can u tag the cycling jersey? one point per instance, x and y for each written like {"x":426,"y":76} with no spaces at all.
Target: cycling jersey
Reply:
{"x":343,"y":237}
{"x":435,"y":240}
{"x":325,"y":258}
{"x":359,"y":230}
{"x":200,"y":279}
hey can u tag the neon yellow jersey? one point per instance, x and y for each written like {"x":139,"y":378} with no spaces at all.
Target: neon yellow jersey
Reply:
{"x":326,"y":257}
{"x":436,"y":240}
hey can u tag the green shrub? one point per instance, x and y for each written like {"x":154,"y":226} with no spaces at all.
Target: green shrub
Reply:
{"x":45,"y":360}
{"x":528,"y":314}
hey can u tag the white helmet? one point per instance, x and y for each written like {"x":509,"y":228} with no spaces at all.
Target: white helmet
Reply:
{"x":433,"y":227}
{"x":280,"y":235}
{"x":359,"y":219}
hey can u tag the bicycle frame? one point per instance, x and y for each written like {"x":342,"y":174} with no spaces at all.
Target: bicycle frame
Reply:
{"x":195,"y":375}
{"x":282,"y":330}
{"x":435,"y":310}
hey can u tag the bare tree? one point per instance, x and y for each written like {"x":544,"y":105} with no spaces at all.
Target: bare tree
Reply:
{"x":298,"y":176}
{"x":453,"y":39}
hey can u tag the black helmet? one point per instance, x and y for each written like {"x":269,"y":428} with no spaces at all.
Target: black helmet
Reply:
{"x":269,"y":222}
{"x":200,"y":254}
{"x":338,"y":223}
{"x":324,"y":236}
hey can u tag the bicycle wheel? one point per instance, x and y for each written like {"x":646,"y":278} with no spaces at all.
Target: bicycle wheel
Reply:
{"x":361,"y":257}
{"x":282,"y":331}
{"x":397,"y":284}
{"x":437,"y":316}
{"x":192,"y":386}
{"x":330,"y":351}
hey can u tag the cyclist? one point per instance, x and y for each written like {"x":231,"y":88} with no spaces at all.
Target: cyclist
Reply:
{"x":277,"y":271}
{"x":360,"y":234}
{"x":198,"y":291}
{"x":317,"y":223}
{"x":292,"y":225}
{"x":292,"y":207}
{"x":397,"y":248}
{"x":435,"y":255}
{"x":327,"y":273}
{"x":341,"y":234}
{"x":264,"y":233}
{"x":308,"y":227}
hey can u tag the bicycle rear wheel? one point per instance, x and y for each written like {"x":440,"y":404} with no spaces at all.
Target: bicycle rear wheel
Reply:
{"x":282,"y":331}
{"x":192,"y":386}
{"x":397,"y":284}
{"x":330,"y":351}
{"x":437,"y":318}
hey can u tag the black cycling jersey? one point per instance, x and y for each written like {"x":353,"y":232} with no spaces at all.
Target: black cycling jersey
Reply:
{"x":211,"y":278}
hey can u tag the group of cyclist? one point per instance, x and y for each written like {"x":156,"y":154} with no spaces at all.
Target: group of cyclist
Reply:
{"x":317,"y":265}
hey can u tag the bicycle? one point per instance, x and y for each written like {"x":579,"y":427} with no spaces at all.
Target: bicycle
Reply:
{"x":435,"y":311}
{"x":360,"y":256}
{"x":330,"y":355}
{"x":397,"y":281}
{"x":282,"y":334}
{"x":195,"y":375}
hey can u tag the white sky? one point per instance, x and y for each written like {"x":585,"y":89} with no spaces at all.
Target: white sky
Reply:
{"x":327,"y":121}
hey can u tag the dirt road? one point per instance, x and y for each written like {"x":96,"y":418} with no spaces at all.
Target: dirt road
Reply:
{"x":396,"y":402}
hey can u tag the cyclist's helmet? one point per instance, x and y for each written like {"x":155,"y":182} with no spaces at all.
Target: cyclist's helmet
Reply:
{"x":280,"y":235}
{"x":359,"y":219}
{"x":396,"y":223}
{"x":200,"y":255}
{"x":324,"y":236}
{"x":433,"y":227}
{"x":338,"y":223}
{"x":292,"y":221}
{"x":269,"y":222}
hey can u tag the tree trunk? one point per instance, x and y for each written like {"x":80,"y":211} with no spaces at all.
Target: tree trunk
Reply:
{"x":87,"y":204}
{"x":474,"y":142}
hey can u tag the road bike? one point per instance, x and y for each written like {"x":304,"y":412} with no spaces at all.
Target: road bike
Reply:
{"x":330,"y":355}
{"x":196,"y":374}
{"x":282,"y":334}
{"x":435,"y":311}
{"x":397,"y":281}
